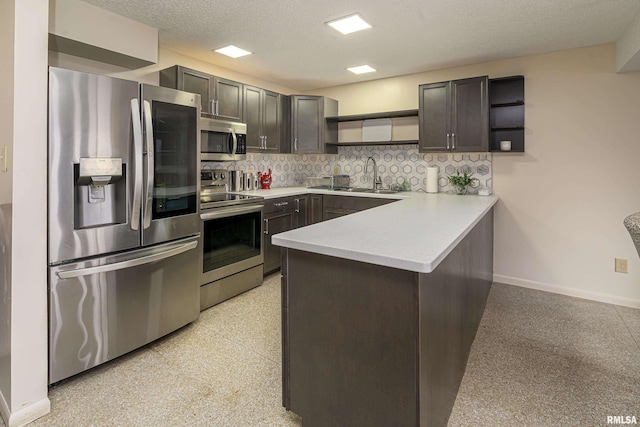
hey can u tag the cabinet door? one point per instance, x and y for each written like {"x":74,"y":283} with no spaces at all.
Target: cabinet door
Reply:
{"x":301,"y":211}
{"x":197,"y":82}
{"x":434,"y":113}
{"x":306,"y":124}
{"x":271,"y":120}
{"x":330,"y":212}
{"x":228,"y":96}
{"x":315,"y":209}
{"x":252,"y":117}
{"x":273,"y":224}
{"x":470,"y":115}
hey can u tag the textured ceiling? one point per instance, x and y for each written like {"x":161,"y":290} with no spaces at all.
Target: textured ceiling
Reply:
{"x":293,"y":47}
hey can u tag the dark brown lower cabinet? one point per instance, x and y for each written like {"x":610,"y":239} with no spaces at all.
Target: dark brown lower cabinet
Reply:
{"x":334,"y":206}
{"x":368,"y":345}
{"x":273,"y":224}
{"x":286,"y":213}
{"x":315,"y":208}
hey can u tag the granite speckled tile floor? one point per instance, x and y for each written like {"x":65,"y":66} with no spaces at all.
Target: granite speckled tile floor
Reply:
{"x":538,"y":359}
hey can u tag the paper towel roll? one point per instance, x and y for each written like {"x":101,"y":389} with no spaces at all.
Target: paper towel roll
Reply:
{"x":432,"y":180}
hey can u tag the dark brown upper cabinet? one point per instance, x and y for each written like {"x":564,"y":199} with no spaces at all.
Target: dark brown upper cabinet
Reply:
{"x":310,"y":131}
{"x":263,"y":116}
{"x":221,"y":98}
{"x":454,"y":116}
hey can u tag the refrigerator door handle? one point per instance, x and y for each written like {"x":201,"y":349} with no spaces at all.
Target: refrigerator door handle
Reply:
{"x":137,"y":158}
{"x":69,"y":274}
{"x":148,"y":125}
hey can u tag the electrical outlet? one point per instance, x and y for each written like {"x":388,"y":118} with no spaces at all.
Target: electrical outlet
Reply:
{"x":621,"y":265}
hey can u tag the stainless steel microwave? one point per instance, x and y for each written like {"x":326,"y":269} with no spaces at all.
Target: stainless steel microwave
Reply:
{"x":222,"y":140}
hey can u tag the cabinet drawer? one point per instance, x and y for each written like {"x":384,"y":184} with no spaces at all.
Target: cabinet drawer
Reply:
{"x":350,"y":203}
{"x":280,"y":204}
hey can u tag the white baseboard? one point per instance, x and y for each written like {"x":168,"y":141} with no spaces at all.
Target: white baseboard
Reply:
{"x":572,"y":292}
{"x":26,"y":414}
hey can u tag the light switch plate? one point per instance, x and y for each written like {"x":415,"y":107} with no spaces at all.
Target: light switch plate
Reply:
{"x":621,"y":265}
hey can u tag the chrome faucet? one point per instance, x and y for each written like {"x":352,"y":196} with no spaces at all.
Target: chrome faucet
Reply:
{"x":375,"y":171}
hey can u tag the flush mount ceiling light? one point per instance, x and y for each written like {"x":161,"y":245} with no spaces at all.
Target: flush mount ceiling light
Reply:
{"x":349,"y":24}
{"x":361,"y":69}
{"x":232,"y":51}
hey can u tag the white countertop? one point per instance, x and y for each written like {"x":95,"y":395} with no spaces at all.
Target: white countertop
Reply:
{"x":415,"y":233}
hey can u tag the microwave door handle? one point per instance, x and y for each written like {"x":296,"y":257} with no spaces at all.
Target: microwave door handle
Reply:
{"x":148,"y":125}
{"x":137,"y":164}
{"x":235,"y":142}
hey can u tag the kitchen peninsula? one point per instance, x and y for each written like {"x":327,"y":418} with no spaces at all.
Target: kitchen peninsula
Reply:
{"x":380,"y":307}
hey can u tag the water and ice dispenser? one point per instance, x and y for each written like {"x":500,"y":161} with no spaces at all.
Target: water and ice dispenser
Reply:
{"x":100,"y":192}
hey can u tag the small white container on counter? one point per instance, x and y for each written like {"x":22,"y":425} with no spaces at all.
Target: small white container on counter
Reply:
{"x":432,"y":179}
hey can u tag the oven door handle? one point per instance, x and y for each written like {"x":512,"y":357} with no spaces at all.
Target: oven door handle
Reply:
{"x":227,"y":212}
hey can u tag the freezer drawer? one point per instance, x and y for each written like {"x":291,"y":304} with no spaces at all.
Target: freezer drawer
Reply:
{"x":105,"y":307}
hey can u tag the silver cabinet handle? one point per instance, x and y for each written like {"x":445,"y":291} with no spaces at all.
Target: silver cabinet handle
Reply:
{"x":217,"y":108}
{"x":453,"y":141}
{"x":295,"y":144}
{"x":297,"y":205}
{"x":280,"y":204}
{"x":448,"y":136}
{"x":137,"y":164}
{"x":213,"y":107}
{"x":148,"y":126}
{"x":127,"y":264}
{"x":265,"y":142}
{"x":262,"y":142}
{"x":266,"y":226}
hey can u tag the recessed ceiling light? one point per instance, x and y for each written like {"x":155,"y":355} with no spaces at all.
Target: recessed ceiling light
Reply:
{"x":233,"y":51}
{"x":349,"y":24}
{"x":361,"y":69}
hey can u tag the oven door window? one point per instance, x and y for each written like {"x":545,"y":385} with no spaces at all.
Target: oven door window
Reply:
{"x":216,"y":142}
{"x":230,"y":240}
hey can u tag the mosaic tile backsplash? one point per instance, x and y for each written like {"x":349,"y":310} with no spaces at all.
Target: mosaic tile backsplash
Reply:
{"x":396,"y":164}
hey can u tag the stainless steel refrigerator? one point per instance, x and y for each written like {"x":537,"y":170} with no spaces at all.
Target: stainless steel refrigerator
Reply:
{"x":123,"y":217}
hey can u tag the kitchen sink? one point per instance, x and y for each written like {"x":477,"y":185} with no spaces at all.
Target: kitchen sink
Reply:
{"x":365,"y":190}
{"x":356,"y":190}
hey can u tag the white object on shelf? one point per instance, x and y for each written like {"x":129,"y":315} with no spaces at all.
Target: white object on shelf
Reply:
{"x":505,"y":145}
{"x":376,"y":130}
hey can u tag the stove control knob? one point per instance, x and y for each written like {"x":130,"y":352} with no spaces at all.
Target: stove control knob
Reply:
{"x":215,"y":176}
{"x":221,"y":176}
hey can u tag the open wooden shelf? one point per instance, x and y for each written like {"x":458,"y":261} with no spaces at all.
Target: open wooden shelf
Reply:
{"x":381,"y":115}
{"x":506,"y":118}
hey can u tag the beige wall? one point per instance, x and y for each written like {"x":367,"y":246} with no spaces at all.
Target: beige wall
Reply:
{"x":23,"y":388}
{"x":89,"y":30}
{"x":558,"y":225}
{"x":7,"y":12}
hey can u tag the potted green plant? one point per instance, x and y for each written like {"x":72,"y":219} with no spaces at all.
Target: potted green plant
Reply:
{"x":461,"y":182}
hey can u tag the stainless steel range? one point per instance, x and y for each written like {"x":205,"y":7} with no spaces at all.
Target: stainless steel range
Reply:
{"x":232,"y":256}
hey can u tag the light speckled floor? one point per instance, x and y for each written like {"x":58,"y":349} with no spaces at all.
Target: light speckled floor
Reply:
{"x":538,"y":359}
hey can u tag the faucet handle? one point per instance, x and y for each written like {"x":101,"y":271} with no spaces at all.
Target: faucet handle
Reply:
{"x":378,"y":183}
